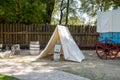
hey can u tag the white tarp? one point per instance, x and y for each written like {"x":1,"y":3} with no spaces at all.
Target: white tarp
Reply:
{"x":70,"y":49}
{"x":108,"y":21}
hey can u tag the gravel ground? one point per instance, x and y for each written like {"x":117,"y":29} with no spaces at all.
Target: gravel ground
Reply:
{"x":92,"y":67}
{"x":18,"y":66}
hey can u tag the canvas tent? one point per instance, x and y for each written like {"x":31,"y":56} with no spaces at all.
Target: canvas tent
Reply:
{"x":69,"y":48}
{"x":108,"y":21}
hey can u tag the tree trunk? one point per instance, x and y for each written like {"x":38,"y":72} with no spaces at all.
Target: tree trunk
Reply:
{"x":50,"y":6}
{"x":67,"y":12}
{"x":61,"y":12}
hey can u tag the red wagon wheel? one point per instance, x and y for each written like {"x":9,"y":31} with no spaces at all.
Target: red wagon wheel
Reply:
{"x":107,"y":49}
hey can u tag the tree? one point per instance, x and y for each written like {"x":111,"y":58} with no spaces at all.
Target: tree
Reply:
{"x":60,"y":11}
{"x":33,"y":12}
{"x":74,"y":20}
{"x":26,"y":11}
{"x":92,"y":6}
{"x":116,"y":3}
{"x":49,"y":9}
{"x":8,"y":11}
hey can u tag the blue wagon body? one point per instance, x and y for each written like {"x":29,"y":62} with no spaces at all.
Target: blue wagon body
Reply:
{"x":114,"y":36}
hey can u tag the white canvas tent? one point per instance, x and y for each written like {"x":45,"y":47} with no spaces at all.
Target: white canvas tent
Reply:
{"x":69,"y":48}
{"x":108,"y":21}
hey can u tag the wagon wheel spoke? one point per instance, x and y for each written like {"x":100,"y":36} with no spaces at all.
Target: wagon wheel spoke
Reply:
{"x":102,"y":55}
{"x":114,"y":47}
{"x":109,"y":43}
{"x":100,"y":50}
{"x":100,"y":46}
{"x":108,"y":48}
{"x":113,"y":53}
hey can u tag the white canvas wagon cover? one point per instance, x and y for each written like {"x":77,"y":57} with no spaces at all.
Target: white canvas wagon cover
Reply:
{"x":108,"y":21}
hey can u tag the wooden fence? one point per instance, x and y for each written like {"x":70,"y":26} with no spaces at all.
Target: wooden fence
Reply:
{"x":85,"y":36}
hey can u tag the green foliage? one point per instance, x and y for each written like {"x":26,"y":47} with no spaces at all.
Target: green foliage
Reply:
{"x":73,"y":8}
{"x":115,"y":3}
{"x":91,"y":7}
{"x":26,"y":11}
{"x":74,"y":21}
{"x":54,"y":21}
{"x":33,"y":12}
{"x":5,"y":77}
{"x":8,"y":11}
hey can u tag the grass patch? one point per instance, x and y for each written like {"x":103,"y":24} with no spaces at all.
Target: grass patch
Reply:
{"x":5,"y":77}
{"x":90,"y":74}
{"x":86,"y":73}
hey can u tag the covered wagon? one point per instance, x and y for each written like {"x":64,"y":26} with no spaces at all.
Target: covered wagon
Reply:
{"x":108,"y":26}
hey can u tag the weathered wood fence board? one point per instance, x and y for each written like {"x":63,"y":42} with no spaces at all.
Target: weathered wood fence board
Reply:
{"x":85,"y":36}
